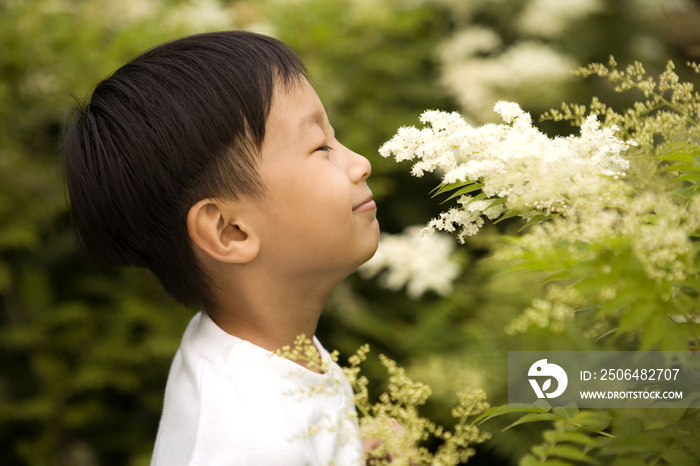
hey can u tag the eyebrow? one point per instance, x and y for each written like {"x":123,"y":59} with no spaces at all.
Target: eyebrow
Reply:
{"x":318,"y":117}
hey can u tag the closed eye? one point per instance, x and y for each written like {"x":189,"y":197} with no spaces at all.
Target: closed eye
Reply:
{"x":325,"y":148}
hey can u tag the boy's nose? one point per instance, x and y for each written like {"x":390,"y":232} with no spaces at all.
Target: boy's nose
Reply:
{"x":359,"y":167}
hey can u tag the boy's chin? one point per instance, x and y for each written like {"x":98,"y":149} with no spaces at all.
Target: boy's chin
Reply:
{"x":370,"y":249}
{"x":370,"y":253}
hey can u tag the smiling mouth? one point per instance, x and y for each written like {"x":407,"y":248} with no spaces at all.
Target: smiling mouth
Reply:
{"x":368,"y":204}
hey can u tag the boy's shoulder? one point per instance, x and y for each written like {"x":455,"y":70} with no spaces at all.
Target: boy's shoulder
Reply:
{"x":226,"y":396}
{"x":206,"y":343}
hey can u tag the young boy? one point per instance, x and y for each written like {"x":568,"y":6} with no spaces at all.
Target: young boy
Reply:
{"x":210,"y":160}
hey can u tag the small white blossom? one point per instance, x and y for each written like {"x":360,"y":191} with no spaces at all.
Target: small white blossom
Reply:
{"x":509,"y":111}
{"x":420,"y":262}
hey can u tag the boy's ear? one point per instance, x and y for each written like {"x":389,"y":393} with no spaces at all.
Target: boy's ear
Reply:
{"x":217,"y":228}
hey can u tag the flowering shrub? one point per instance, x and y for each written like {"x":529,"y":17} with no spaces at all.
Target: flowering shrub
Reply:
{"x":611,"y":220}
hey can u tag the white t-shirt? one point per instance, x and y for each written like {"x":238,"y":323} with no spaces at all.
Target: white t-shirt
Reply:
{"x":229,"y":402}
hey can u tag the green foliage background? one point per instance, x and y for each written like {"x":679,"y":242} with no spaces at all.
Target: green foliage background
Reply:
{"x":84,"y":353}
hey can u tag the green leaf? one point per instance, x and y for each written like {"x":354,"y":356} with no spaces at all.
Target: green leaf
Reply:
{"x":633,"y":443}
{"x":679,"y":167}
{"x":595,"y":420}
{"x":681,"y":152}
{"x":692,"y":282}
{"x":555,"y":462}
{"x":478,"y":197}
{"x":442,"y":188}
{"x":510,"y":214}
{"x":684,"y":193}
{"x":543,"y":405}
{"x":509,"y":408}
{"x":623,"y":296}
{"x":571,"y":453}
{"x":498,"y":201}
{"x":654,"y":331}
{"x":465,"y":190}
{"x":688,"y":176}
{"x":592,"y":284}
{"x":551,"y":436}
{"x":568,"y":411}
{"x":522,"y":267}
{"x":534,"y":417}
{"x":536,"y":219}
{"x":679,"y":457}
{"x":692,"y":443}
{"x":578,"y":437}
{"x":636,"y":317}
{"x":543,"y":451}
{"x":628,"y":462}
{"x":627,"y":426}
{"x":562,"y":275}
{"x":529,"y":460}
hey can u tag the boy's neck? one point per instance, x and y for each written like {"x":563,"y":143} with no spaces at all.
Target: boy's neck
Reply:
{"x":271,"y":313}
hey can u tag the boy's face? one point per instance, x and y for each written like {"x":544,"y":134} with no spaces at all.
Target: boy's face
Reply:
{"x":317,"y":213}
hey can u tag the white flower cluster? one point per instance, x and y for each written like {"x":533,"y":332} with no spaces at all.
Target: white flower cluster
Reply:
{"x":422,"y":263}
{"x":480,"y":62}
{"x":658,"y":230}
{"x":551,"y":18}
{"x":530,"y":71}
{"x":515,"y":161}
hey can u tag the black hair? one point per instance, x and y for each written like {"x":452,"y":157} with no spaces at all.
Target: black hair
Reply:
{"x":183,"y":121}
